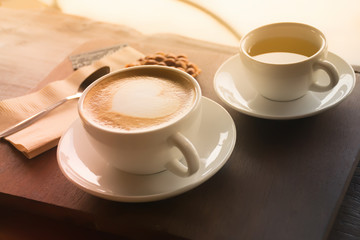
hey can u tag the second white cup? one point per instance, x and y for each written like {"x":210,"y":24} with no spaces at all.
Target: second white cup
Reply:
{"x":281,"y":60}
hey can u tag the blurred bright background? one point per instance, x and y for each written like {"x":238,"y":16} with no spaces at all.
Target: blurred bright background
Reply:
{"x":219,"y":21}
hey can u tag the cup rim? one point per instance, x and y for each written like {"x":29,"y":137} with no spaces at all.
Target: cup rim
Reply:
{"x":312,"y":28}
{"x":197,"y":100}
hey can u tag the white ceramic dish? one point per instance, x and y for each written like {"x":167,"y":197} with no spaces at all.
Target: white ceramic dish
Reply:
{"x":232,"y":86}
{"x":88,"y":170}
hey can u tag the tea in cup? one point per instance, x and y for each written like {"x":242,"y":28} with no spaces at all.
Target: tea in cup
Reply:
{"x":281,"y":60}
{"x":141,"y":119}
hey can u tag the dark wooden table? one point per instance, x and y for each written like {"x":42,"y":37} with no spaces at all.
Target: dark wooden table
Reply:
{"x":347,"y":222}
{"x":284,"y":180}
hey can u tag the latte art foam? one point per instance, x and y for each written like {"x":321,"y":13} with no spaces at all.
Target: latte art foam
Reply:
{"x":138,"y":102}
{"x":146,"y":98}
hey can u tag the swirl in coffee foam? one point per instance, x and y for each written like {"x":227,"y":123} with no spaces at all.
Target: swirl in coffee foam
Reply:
{"x":138,"y":102}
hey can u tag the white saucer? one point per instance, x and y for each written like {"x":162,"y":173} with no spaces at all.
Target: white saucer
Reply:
{"x":232,"y":86}
{"x":88,"y":170}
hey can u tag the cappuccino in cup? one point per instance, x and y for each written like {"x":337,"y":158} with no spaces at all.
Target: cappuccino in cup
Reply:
{"x":138,"y":102}
{"x":141,"y":119}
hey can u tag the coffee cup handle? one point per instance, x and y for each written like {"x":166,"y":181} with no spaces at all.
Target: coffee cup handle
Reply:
{"x":190,"y":154}
{"x":330,"y":69}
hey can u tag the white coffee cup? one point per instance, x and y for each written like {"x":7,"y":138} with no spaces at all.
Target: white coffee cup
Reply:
{"x":281,"y":60}
{"x":156,"y":120}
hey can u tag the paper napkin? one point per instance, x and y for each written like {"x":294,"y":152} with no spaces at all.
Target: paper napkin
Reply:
{"x":46,"y":132}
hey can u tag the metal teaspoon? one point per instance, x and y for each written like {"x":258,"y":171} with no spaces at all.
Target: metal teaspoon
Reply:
{"x":91,"y":78}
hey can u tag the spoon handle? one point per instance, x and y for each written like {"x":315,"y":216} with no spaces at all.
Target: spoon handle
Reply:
{"x":33,"y":118}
